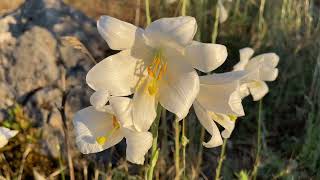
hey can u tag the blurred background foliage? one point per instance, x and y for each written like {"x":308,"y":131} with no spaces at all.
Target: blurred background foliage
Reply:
{"x":290,"y":146}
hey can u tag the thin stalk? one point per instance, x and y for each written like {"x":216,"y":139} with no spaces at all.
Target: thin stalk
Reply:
{"x":148,"y":12}
{"x":184,"y":145}
{"x":215,"y":25}
{"x":24,"y":157}
{"x":199,"y":159}
{"x":137,"y":16}
{"x":154,"y":148}
{"x":257,"y":161}
{"x":164,"y":128}
{"x":261,"y":10}
{"x":221,"y":159}
{"x":177,"y":149}
{"x":283,"y":11}
{"x":61,"y":163}
{"x":184,"y":7}
{"x":236,"y":8}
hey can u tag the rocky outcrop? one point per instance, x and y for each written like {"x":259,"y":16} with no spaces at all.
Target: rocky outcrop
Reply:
{"x":33,"y":60}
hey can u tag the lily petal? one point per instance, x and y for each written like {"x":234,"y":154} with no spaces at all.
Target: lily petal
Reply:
{"x":118,"y":74}
{"x":119,"y":35}
{"x":267,"y":59}
{"x":207,"y":122}
{"x":122,"y":107}
{"x":206,"y":57}
{"x":225,"y":122}
{"x":99,"y":99}
{"x":5,"y":135}
{"x":223,"y":78}
{"x":244,"y":91}
{"x":89,"y":125}
{"x":179,"y":89}
{"x":258,"y":89}
{"x":143,"y":107}
{"x":245,"y":55}
{"x":177,"y":30}
{"x":220,"y":93}
{"x":138,"y":144}
{"x":268,"y":74}
{"x":221,"y":98}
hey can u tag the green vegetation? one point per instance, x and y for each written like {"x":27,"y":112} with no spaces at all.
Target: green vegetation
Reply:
{"x":289,"y":145}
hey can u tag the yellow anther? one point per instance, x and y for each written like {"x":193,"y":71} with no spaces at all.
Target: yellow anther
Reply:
{"x":115,"y":123}
{"x":101,"y":140}
{"x":233,"y":117}
{"x":150,"y":72}
{"x":152,"y":88}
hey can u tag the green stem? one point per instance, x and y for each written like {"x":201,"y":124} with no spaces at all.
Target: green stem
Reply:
{"x":221,"y":159}
{"x":177,"y":149}
{"x":261,"y":10}
{"x":154,"y":148}
{"x":199,"y":159}
{"x":215,"y":26}
{"x":184,"y":7}
{"x":148,"y":12}
{"x":236,"y":9}
{"x":184,"y":145}
{"x":257,"y":160}
{"x":164,"y":128}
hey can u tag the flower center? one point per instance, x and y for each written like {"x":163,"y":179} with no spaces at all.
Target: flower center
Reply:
{"x":156,"y":71}
{"x":103,"y":139}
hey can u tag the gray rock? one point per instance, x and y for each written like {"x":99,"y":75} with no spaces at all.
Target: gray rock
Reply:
{"x":60,"y":20}
{"x":34,"y":63}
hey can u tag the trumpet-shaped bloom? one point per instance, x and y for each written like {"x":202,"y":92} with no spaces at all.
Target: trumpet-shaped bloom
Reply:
{"x":156,"y":64}
{"x":261,"y":68}
{"x":219,"y":101}
{"x":5,"y":135}
{"x":99,"y":130}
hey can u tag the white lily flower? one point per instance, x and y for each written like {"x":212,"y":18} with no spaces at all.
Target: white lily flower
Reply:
{"x":156,"y":64}
{"x":98,"y":130}
{"x":219,"y":101}
{"x":261,"y":68}
{"x":5,"y":135}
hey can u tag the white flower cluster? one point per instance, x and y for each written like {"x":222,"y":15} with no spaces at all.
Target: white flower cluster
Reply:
{"x":157,"y":66}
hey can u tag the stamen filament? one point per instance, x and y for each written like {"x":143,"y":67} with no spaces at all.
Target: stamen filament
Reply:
{"x":156,"y":70}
